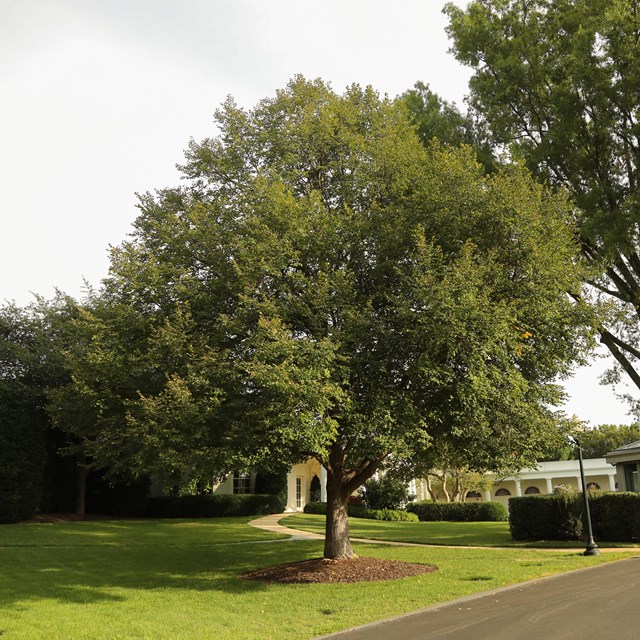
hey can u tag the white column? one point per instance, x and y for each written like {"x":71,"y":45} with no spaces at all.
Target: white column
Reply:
{"x":486,"y":495}
{"x":612,"y":483}
{"x":518,"y":488}
{"x":579,"y":482}
{"x":323,"y":484}
{"x":549,"y":485}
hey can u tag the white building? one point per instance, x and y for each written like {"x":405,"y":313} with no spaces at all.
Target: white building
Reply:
{"x":626,"y":460}
{"x":599,"y":474}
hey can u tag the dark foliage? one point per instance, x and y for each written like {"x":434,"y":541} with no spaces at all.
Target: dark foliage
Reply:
{"x":213,"y":506}
{"x":21,"y":460}
{"x":459,"y":511}
{"x":385,"y":493}
{"x":315,"y":489}
{"x":358,"y":511}
{"x":615,"y":517}
{"x":550,"y":517}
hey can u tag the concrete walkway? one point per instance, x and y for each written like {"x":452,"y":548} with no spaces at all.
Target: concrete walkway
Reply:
{"x":589,"y":604}
{"x":270,"y":523}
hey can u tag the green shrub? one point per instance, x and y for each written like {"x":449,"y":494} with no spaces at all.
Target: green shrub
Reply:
{"x":22,"y":456}
{"x":459,"y":511}
{"x":393,"y":515}
{"x":315,"y":489}
{"x":549,"y":517}
{"x":317,"y":508}
{"x":121,"y":498}
{"x":385,"y":493}
{"x":615,"y":516}
{"x":213,"y":506}
{"x":271,"y":482}
{"x":358,"y":511}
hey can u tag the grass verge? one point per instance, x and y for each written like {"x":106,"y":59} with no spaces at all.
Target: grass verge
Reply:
{"x":120,"y":580}
{"x":481,"y":534}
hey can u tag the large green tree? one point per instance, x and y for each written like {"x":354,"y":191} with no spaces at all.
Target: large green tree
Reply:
{"x":325,"y":286}
{"x":435,"y":118}
{"x":32,"y":339}
{"x":559,"y":84}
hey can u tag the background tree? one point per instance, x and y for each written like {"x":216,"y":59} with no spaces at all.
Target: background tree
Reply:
{"x":32,"y":339}
{"x":596,"y":443}
{"x":448,"y":472}
{"x":324,"y":286}
{"x":558,"y":83}
{"x":22,"y":419}
{"x":435,"y":118}
{"x":386,"y":492}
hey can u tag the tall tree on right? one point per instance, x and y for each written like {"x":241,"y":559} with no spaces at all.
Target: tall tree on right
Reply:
{"x":559,"y":84}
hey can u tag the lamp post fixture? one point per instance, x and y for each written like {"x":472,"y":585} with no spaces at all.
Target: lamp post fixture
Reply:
{"x":592,"y":547}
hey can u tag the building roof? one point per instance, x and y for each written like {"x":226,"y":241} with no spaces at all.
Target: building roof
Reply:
{"x":627,"y":451}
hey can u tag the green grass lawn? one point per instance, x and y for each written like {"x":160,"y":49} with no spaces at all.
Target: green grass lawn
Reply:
{"x":178,"y":580}
{"x":482,"y":534}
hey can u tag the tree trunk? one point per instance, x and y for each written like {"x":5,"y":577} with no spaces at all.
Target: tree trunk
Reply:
{"x":336,"y":539}
{"x":341,"y":483}
{"x":81,"y":484}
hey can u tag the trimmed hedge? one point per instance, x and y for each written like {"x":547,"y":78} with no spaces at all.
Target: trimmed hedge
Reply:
{"x":213,"y":506}
{"x":615,"y":517}
{"x":459,"y":511}
{"x":357,"y":511}
{"x":546,"y":517}
{"x":22,"y":457}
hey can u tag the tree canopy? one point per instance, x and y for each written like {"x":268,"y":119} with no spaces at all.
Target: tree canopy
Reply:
{"x":558,"y":83}
{"x":325,"y":286}
{"x":435,"y":118}
{"x":31,"y":362}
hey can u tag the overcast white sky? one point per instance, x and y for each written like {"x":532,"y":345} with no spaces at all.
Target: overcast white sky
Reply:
{"x":100,"y":97}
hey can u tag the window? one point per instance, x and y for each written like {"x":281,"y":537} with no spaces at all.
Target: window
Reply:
{"x":299,"y":504}
{"x":593,"y":486}
{"x":631,"y":477}
{"x":531,"y":491}
{"x":241,"y":482}
{"x":502,"y":492}
{"x":475,"y":495}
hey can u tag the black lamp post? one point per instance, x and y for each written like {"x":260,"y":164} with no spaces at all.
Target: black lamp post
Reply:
{"x":592,"y":547}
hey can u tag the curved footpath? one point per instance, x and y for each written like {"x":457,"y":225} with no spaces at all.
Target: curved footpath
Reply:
{"x":272,"y":523}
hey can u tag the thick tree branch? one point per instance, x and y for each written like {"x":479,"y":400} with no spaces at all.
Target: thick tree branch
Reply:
{"x":610,"y":341}
{"x":623,"y":345}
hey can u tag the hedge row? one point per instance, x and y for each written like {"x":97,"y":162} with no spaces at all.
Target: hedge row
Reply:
{"x":459,"y":511}
{"x":22,"y":458}
{"x":357,"y":511}
{"x":615,"y":517}
{"x":546,"y":517}
{"x":213,"y":506}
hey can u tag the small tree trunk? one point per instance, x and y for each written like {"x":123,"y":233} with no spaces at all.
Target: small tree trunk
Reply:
{"x":430,"y":490}
{"x":81,"y":484}
{"x":336,"y":539}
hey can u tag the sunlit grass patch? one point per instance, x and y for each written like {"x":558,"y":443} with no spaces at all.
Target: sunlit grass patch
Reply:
{"x":167,"y":580}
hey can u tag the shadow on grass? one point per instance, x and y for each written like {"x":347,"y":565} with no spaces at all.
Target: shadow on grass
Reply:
{"x":146,"y":532}
{"x":83,"y":574}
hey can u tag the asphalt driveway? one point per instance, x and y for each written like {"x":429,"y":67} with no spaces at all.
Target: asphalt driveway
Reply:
{"x":592,"y":604}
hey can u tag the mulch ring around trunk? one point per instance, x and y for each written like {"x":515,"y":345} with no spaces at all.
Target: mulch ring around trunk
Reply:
{"x":320,"y":570}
